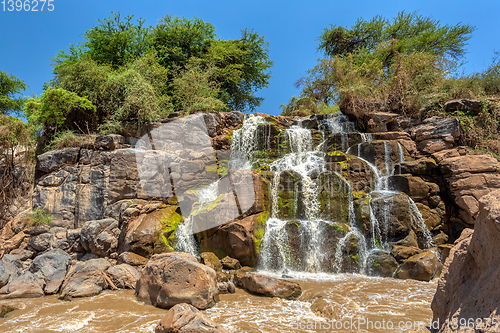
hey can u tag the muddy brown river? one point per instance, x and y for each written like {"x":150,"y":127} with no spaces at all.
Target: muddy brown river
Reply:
{"x":338,"y":303}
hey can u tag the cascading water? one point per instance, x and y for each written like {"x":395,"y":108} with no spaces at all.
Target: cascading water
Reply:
{"x":244,"y":142}
{"x":298,"y":239}
{"x":307,"y":164}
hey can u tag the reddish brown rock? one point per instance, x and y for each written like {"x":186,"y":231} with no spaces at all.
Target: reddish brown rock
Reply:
{"x":173,"y":278}
{"x":185,"y":318}
{"x":239,"y":239}
{"x":401,"y":253}
{"x":468,"y":287}
{"x":268,"y":286}
{"x":423,"y":267}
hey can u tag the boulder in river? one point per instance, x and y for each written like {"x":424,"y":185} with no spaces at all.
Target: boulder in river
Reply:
{"x":268,"y":286}
{"x":85,"y":279}
{"x":185,"y":318}
{"x":176,"y":277}
{"x":423,"y":266}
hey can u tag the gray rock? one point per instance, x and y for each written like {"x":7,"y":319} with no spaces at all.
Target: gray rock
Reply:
{"x":109,"y":142}
{"x":26,"y":285}
{"x":53,"y":160}
{"x":21,"y":254}
{"x":463,"y":105}
{"x":124,"y":276}
{"x":85,"y":279}
{"x":41,"y":242}
{"x":437,"y":128}
{"x":99,"y":236}
{"x":51,"y":267}
{"x":9,"y":269}
{"x":226,"y":287}
{"x":234,"y":119}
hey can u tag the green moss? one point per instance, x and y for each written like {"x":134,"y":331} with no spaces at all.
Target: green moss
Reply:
{"x":358,"y":195}
{"x":170,"y":221}
{"x":340,"y":228}
{"x":260,"y":228}
{"x":211,"y":205}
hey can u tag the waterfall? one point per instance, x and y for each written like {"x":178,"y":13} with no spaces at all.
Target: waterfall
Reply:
{"x":244,"y":142}
{"x":419,"y":222}
{"x":185,"y":238}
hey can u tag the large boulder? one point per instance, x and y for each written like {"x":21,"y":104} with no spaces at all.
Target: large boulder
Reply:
{"x":10,"y":268}
{"x":268,"y":286}
{"x":238,"y":239}
{"x":85,"y":279}
{"x":437,"y":128}
{"x":423,"y":266}
{"x":100,"y":237}
{"x":381,"y":263}
{"x":53,"y":160}
{"x":123,"y":276}
{"x":51,"y":267}
{"x":173,"y":278}
{"x":185,"y":318}
{"x":143,"y":235}
{"x":26,"y":285}
{"x":468,"y":287}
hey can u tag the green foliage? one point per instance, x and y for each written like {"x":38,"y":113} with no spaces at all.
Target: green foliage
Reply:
{"x":116,"y":42}
{"x":176,"y":39}
{"x":407,"y":33}
{"x":243,"y":68}
{"x":68,"y":138}
{"x":195,"y":88}
{"x":15,"y":136}
{"x":9,"y":87}
{"x":133,"y":73}
{"x":57,"y":107}
{"x":40,"y":217}
{"x":306,"y":106}
{"x":490,"y":78}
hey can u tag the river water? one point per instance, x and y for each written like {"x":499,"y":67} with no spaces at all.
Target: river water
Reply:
{"x":358,"y":303}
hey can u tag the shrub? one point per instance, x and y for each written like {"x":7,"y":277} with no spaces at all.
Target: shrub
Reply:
{"x":68,"y":138}
{"x":40,"y":217}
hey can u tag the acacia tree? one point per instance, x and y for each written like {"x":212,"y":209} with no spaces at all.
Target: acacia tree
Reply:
{"x":407,"y":33}
{"x":395,"y":62}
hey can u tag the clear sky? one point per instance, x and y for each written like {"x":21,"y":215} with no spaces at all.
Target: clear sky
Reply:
{"x":28,"y":40}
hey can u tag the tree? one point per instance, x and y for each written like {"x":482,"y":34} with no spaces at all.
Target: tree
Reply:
{"x":243,"y":68}
{"x":15,"y":135}
{"x":395,"y":63}
{"x":9,"y":87}
{"x":196,"y":89}
{"x":57,"y":107}
{"x":407,"y":33}
{"x":177,"y":39}
{"x":116,"y":42}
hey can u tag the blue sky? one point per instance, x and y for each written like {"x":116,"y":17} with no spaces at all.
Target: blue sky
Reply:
{"x":28,"y":40}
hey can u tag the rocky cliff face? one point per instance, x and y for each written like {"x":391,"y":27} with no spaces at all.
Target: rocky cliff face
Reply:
{"x":124,"y":197}
{"x":468,"y":288}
